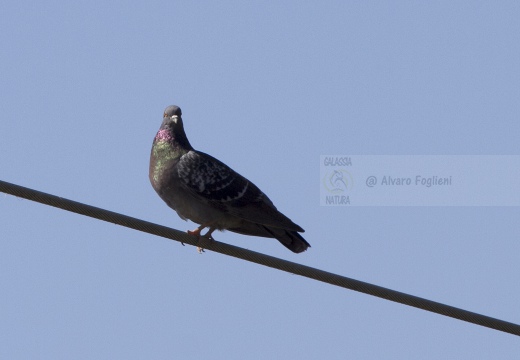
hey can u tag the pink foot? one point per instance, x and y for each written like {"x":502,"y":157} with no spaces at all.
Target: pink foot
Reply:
{"x":195,"y":232}
{"x":206,"y":237}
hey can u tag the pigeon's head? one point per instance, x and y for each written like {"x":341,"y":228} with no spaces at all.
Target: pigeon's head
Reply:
{"x":172,"y":127}
{"x":172,"y":110}
{"x":172,"y":120}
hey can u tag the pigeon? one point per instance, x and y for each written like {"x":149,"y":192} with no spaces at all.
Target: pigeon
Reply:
{"x":206,"y":191}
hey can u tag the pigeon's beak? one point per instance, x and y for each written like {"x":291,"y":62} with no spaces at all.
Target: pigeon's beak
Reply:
{"x":175,"y":118}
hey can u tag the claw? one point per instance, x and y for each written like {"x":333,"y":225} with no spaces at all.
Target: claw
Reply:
{"x":207,"y":236}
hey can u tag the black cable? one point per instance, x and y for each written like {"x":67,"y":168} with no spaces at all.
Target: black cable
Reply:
{"x":259,"y":258}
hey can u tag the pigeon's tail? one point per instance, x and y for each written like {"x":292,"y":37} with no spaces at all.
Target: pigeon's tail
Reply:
{"x":292,"y":240}
{"x":289,"y":238}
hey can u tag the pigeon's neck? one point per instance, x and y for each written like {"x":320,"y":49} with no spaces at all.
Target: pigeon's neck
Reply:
{"x":169,"y":141}
{"x":166,"y":151}
{"x":167,"y":148}
{"x":164,"y":135}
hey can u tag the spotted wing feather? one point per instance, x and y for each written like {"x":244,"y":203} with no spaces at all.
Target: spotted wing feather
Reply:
{"x":226,"y":190}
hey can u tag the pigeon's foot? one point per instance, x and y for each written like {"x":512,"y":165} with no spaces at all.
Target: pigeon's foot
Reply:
{"x":195,"y":232}
{"x":202,"y":238}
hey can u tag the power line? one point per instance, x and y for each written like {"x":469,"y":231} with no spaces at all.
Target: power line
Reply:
{"x":259,"y":258}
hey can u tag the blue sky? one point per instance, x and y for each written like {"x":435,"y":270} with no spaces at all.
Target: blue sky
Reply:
{"x":267,"y":88}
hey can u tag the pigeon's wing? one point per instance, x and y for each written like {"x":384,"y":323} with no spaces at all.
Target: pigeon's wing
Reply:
{"x":214,"y":182}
